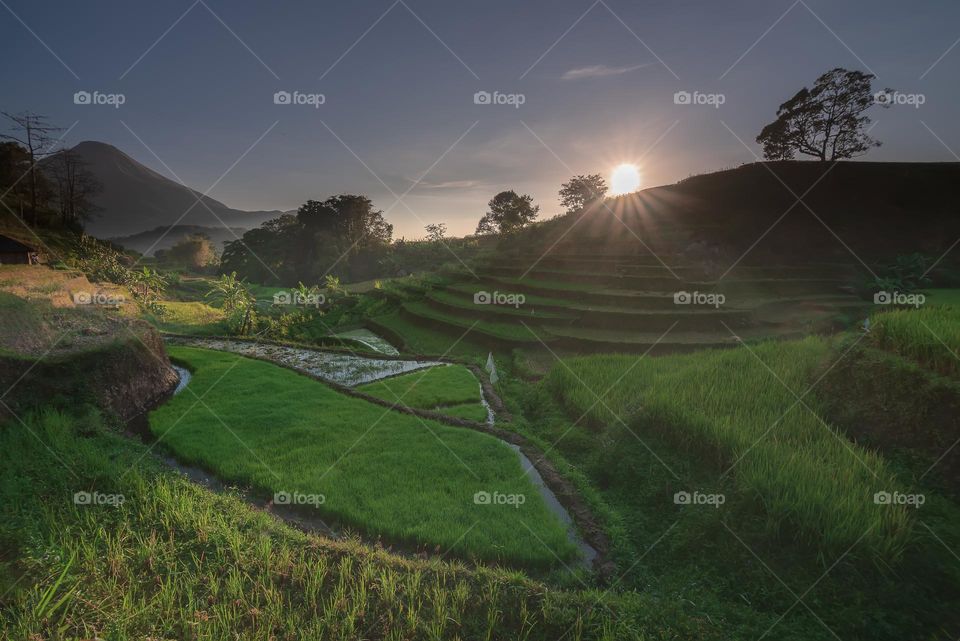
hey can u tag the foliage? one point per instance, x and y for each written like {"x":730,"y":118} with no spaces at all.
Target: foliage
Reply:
{"x":580,"y":191}
{"x":237,"y":301}
{"x":193,"y":251}
{"x":826,"y":122}
{"x":509,"y":212}
{"x":906,"y":275}
{"x":436,"y":232}
{"x":343,"y":235}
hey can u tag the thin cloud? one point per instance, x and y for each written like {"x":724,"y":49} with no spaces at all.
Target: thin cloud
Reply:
{"x":600,"y":71}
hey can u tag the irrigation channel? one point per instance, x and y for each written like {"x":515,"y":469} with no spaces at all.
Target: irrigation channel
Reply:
{"x":349,"y":370}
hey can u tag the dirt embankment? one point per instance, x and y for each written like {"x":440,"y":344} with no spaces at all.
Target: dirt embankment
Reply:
{"x":56,"y":351}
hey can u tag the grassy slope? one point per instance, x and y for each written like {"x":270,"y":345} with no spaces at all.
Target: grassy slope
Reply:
{"x":387,"y":473}
{"x":739,"y":407}
{"x":733,"y":564}
{"x":451,"y":389}
{"x":175,"y":561}
{"x":929,"y":336}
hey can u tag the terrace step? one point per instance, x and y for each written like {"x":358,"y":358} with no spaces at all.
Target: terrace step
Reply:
{"x":595,"y":340}
{"x":492,"y":334}
{"x":576,"y":315}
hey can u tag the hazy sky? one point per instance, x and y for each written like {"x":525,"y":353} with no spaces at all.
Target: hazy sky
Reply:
{"x":597,"y":81}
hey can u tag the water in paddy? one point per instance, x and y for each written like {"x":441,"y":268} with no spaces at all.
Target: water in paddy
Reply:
{"x":344,"y":369}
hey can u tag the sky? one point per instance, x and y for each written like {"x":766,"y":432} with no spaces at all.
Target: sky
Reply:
{"x":576,"y":87}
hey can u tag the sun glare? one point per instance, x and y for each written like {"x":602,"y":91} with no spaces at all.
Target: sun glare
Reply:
{"x":624,"y":179}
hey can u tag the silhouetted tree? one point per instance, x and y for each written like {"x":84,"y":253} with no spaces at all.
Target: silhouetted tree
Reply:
{"x":580,"y":191}
{"x":826,"y":122}
{"x":508,"y":213}
{"x":34,"y":132}
{"x":75,"y":187}
{"x":436,"y":232}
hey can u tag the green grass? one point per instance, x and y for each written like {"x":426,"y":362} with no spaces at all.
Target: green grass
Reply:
{"x":928,"y":335}
{"x":449,"y":389}
{"x":176,"y":561}
{"x":194,"y":318}
{"x":423,"y":340}
{"x":737,"y":409}
{"x":948,"y":297}
{"x":511,"y":332}
{"x":386,"y":473}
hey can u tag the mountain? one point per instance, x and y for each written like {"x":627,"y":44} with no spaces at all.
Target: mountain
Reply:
{"x":135,"y":198}
{"x":165,"y":237}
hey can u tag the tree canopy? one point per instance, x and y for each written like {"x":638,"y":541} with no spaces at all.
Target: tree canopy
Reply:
{"x":826,"y":122}
{"x":509,"y":212}
{"x":580,"y":191}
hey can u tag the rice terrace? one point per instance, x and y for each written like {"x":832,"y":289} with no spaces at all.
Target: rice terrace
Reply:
{"x":641,"y":324}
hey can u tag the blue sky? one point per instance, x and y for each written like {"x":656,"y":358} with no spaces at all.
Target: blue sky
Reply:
{"x":399,"y":101}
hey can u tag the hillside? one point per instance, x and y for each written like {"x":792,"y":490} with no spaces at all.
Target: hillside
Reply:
{"x":876,"y":209}
{"x":135,"y":198}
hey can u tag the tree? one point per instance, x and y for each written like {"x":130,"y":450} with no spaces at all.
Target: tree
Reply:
{"x":580,"y":191}
{"x":436,"y":232}
{"x":34,"y":133}
{"x":195,"y":251}
{"x":509,"y":212}
{"x":238,"y":302}
{"x":338,"y":231}
{"x":75,"y":187}
{"x":826,"y":122}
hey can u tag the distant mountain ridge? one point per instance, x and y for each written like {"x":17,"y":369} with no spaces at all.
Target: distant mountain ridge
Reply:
{"x":135,"y":198}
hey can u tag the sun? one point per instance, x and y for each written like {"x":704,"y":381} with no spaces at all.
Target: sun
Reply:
{"x":625,"y":179}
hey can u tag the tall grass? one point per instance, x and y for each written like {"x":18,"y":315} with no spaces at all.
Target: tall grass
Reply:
{"x":928,"y":335}
{"x":741,"y":415}
{"x":389,"y":474}
{"x":175,"y":561}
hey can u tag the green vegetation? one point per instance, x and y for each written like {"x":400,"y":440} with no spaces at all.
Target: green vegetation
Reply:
{"x":738,"y":409}
{"x":450,"y":389}
{"x":929,"y":336}
{"x":194,"y":318}
{"x":386,"y":473}
{"x":176,"y":561}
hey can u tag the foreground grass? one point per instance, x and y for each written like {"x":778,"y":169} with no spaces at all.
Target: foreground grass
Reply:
{"x":175,"y":561}
{"x":386,"y":473}
{"x":449,"y":389}
{"x":929,"y":336}
{"x":738,"y":411}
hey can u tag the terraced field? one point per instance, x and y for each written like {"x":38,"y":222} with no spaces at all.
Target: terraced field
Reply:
{"x":634,"y":303}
